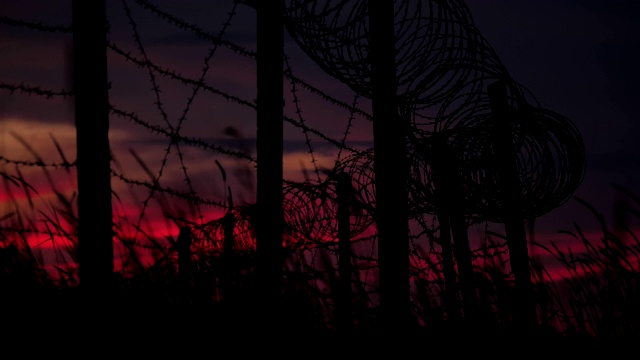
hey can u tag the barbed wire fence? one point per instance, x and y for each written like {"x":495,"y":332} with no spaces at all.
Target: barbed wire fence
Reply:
{"x":176,"y":163}
{"x":131,"y":237}
{"x":29,"y":224}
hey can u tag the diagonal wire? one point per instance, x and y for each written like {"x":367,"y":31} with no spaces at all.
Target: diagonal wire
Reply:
{"x":298,"y":111}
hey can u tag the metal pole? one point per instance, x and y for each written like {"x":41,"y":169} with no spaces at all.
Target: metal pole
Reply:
{"x":344,"y":309}
{"x":269,"y":222}
{"x":391,"y":171}
{"x":509,"y":187}
{"x":90,"y":86}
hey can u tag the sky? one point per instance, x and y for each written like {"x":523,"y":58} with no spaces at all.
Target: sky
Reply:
{"x":576,"y":56}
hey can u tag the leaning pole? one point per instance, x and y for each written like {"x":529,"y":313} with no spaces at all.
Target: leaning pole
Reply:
{"x":269,"y":148}
{"x":511,"y":197}
{"x":391,"y":171}
{"x":90,"y":88}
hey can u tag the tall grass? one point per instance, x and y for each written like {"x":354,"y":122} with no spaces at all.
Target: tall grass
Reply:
{"x":597,"y":299}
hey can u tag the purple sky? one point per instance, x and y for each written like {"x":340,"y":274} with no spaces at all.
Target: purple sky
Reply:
{"x":577,"y":57}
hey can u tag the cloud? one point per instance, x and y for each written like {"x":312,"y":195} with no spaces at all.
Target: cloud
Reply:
{"x":20,"y":134}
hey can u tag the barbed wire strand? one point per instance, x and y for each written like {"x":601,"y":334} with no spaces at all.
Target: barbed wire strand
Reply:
{"x":298,"y":112}
{"x":35,"y":90}
{"x":35,"y":26}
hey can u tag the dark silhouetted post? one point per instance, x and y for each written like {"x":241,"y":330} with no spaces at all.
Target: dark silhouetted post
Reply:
{"x":343,"y":303}
{"x":228,"y":258}
{"x":462,"y":252}
{"x":90,"y":86}
{"x":454,"y":204}
{"x":185,"y":266}
{"x":510,"y":196}
{"x":450,"y":294}
{"x":183,"y":247}
{"x":391,"y":171}
{"x":443,"y":198}
{"x":270,"y":219}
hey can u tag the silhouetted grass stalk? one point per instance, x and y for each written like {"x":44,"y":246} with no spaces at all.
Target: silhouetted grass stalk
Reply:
{"x":596,"y":299}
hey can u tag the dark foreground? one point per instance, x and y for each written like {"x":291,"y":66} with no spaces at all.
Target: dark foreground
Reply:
{"x":71,"y":327}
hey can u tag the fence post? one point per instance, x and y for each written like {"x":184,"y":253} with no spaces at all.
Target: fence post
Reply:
{"x":343,"y":303}
{"x":185,"y":265}
{"x":442,"y":192}
{"x":510,"y":197}
{"x":454,"y":203}
{"x":183,"y":247}
{"x":390,"y":171}
{"x":90,"y":87}
{"x":464,"y":259}
{"x":269,"y":147}
{"x":228,"y":257}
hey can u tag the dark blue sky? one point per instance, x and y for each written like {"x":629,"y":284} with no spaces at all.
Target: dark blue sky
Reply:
{"x":580,"y":59}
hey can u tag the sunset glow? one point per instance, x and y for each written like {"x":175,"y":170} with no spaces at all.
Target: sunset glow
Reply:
{"x":511,"y":140}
